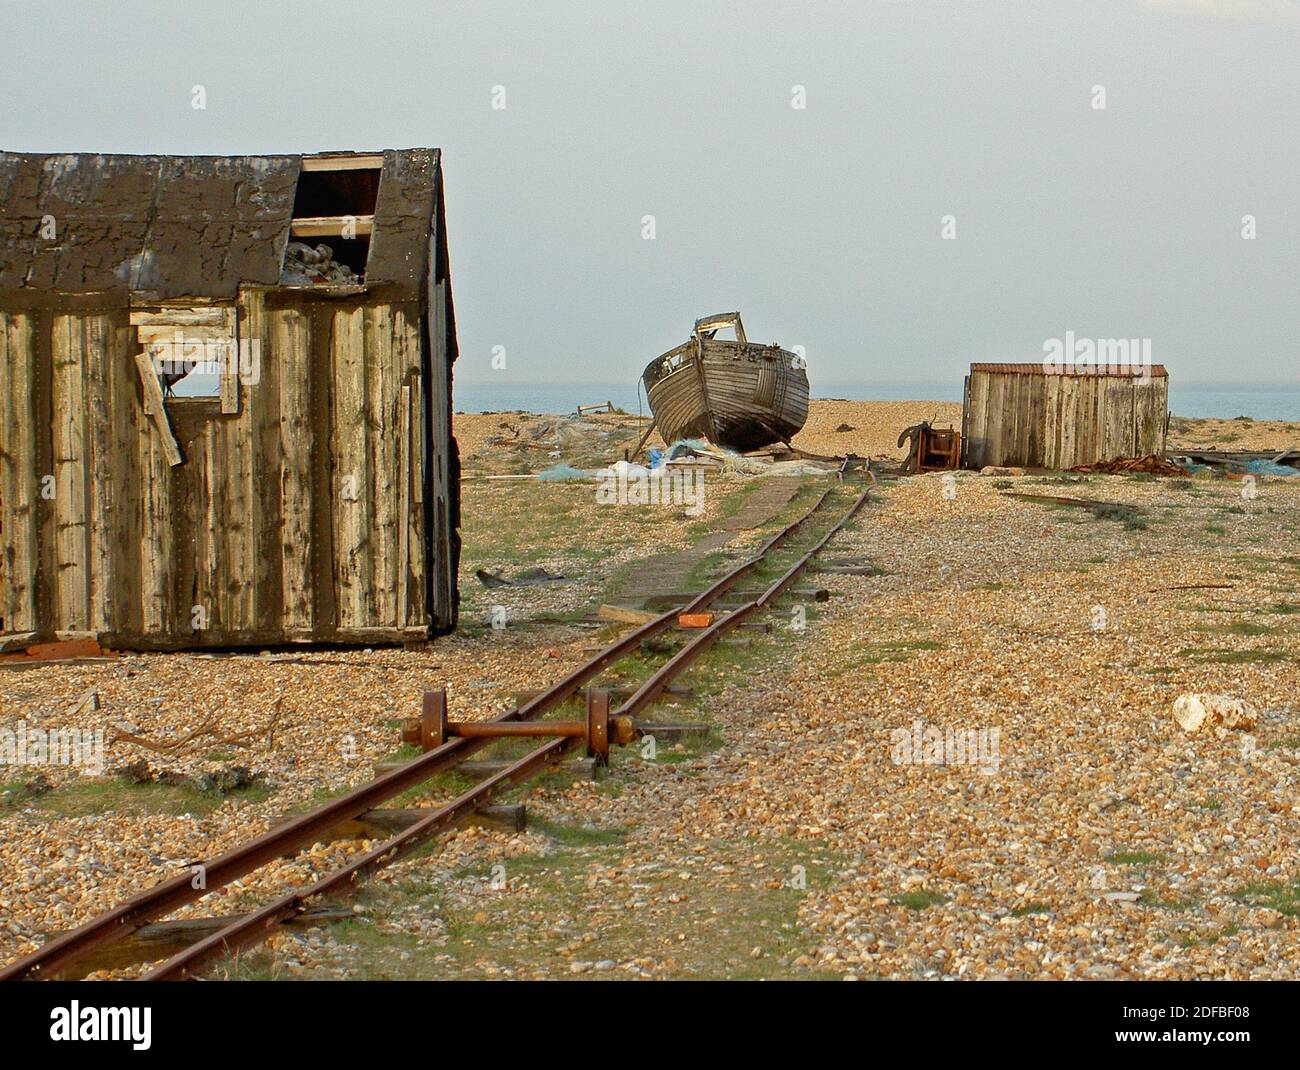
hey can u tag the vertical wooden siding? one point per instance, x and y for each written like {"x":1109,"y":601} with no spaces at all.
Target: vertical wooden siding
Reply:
{"x":1057,"y":421}
{"x":254,"y":538}
{"x":19,"y":480}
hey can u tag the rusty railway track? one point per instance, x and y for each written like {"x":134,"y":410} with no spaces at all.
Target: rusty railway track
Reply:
{"x":61,"y":953}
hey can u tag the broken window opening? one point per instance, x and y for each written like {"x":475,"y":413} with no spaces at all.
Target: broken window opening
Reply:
{"x":188,"y":380}
{"x":192,"y":350}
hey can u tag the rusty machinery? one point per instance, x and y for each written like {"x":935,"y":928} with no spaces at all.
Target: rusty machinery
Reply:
{"x":931,"y":449}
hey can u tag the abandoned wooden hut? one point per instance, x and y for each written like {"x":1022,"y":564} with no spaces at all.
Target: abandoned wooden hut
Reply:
{"x":1018,"y":414}
{"x":225,"y":400}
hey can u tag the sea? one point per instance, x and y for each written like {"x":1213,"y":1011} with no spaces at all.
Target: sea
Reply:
{"x":1261,"y":401}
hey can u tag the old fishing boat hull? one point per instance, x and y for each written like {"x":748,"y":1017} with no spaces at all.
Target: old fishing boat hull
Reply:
{"x":737,"y":394}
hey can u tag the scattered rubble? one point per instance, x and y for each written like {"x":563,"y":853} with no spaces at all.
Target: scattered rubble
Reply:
{"x":308,"y":266}
{"x":1151,"y":464}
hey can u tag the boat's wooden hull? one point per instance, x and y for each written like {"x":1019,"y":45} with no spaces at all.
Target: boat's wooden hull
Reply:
{"x":736,"y":394}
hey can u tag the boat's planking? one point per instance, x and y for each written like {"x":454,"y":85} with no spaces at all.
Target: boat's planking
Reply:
{"x":735,"y":393}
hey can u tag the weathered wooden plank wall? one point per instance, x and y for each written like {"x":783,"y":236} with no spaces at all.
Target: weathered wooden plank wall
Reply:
{"x":297,"y":517}
{"x":19,"y":479}
{"x":1058,"y":421}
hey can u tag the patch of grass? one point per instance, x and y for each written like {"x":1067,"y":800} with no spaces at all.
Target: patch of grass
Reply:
{"x":83,"y":798}
{"x":1127,"y":515}
{"x":1191,"y":940}
{"x":1276,"y":895}
{"x":577,"y":835}
{"x":683,"y":749}
{"x":1134,"y":858}
{"x":753,"y":906}
{"x":1237,"y":657}
{"x":254,"y":965}
{"x":1151,"y":898}
{"x":1243,"y":627}
{"x":18,"y":792}
{"x":918,"y":900}
{"x":868,"y":654}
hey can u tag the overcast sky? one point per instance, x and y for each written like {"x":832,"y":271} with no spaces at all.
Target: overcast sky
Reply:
{"x":821,"y":224}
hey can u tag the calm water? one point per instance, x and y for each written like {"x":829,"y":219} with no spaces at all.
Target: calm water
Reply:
{"x":1261,"y":402}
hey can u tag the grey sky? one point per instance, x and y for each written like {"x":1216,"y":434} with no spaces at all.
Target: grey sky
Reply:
{"x":822,"y":225}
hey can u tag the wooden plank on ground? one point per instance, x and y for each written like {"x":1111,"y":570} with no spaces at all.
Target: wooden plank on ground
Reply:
{"x":625,"y":615}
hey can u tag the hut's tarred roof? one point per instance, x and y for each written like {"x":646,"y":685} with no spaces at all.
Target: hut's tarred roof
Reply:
{"x":1122,"y":371}
{"x":192,"y":226}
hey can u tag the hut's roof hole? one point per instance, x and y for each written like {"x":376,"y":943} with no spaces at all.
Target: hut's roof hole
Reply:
{"x":333,"y":215}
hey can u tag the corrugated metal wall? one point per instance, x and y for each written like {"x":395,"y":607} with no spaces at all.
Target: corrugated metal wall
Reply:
{"x":1059,"y":421}
{"x":301,"y":517}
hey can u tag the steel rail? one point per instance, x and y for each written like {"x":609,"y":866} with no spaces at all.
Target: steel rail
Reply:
{"x":169,"y":895}
{"x":793,"y":572}
{"x":257,"y":926}
{"x":654,"y":685}
{"x":726,"y":582}
{"x":252,"y":928}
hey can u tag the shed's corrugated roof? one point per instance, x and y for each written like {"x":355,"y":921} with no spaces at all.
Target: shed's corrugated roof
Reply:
{"x":198,"y":226}
{"x":1129,"y":371}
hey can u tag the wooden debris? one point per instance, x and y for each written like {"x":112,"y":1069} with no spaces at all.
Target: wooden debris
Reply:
{"x":625,"y":615}
{"x":156,"y":407}
{"x":1151,"y":464}
{"x":204,"y":731}
{"x":89,"y":700}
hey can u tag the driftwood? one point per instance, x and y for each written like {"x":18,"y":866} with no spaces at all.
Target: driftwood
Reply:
{"x":1194,"y":587}
{"x":204,"y":731}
